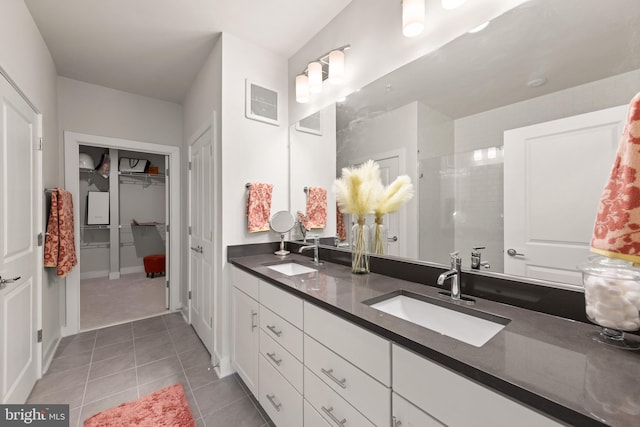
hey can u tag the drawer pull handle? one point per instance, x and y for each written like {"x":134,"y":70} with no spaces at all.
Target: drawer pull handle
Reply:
{"x":329,"y":412}
{"x":272,"y":356}
{"x":329,"y":373}
{"x":272,"y":399}
{"x":273,"y":329}
{"x":254,"y":314}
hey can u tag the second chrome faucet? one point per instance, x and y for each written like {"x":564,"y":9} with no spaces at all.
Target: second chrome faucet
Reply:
{"x":315,"y":247}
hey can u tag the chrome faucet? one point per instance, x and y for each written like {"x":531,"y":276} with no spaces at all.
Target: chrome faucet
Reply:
{"x":476,"y":259}
{"x":454,"y":275}
{"x":315,"y":247}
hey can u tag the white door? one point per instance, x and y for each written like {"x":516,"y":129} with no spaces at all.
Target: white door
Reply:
{"x":554,"y":173}
{"x":389,"y":169}
{"x":167,"y":241}
{"x":20,"y":257}
{"x":201,"y":222}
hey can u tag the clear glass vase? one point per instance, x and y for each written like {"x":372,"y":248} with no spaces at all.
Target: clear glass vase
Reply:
{"x":379,"y":234}
{"x":360,"y":248}
{"x":612,"y":299}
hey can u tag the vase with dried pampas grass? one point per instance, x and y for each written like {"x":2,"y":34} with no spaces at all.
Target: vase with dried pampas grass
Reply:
{"x":389,"y":199}
{"x":356,"y":192}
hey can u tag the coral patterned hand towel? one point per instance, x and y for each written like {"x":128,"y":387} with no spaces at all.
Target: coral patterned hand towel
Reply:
{"x":259,"y":207}
{"x":617,"y":230}
{"x":341,"y":231}
{"x":60,"y":245}
{"x":316,"y":207}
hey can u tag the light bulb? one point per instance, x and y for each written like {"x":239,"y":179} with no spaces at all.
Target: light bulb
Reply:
{"x":302,"y":89}
{"x":336,"y":66}
{"x":315,"y":77}
{"x":412,"y":17}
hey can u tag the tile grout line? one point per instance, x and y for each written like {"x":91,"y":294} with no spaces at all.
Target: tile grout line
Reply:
{"x":184,"y":372}
{"x":86,"y":381}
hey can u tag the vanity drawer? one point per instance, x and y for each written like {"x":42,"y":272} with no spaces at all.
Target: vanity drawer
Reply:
{"x":282,"y":332}
{"x":312,"y":418}
{"x":279,"y":399}
{"x":364,"y":349}
{"x":247,"y":283}
{"x":333,"y":408}
{"x":281,"y":360}
{"x":359,"y":389}
{"x":408,"y":415}
{"x":288,"y":306}
{"x":433,"y":388}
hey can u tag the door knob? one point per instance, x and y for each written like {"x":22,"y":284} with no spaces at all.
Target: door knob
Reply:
{"x":513,"y":253}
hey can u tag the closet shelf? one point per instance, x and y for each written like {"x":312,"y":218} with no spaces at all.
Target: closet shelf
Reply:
{"x":95,"y":227}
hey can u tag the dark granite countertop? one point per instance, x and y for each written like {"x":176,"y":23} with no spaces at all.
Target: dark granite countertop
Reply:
{"x":548,"y":363}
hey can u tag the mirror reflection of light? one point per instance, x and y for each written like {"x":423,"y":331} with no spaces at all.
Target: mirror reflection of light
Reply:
{"x":452,"y":4}
{"x":479,"y":28}
{"x":491,"y":153}
{"x":477,"y":155}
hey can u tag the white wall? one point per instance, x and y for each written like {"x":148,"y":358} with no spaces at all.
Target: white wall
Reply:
{"x":250,"y":151}
{"x":312,"y":164}
{"x":373,"y":29}
{"x":97,"y":110}
{"x":25,"y":57}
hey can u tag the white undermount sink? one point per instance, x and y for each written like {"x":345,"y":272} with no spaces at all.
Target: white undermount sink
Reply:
{"x":291,"y":268}
{"x":474,"y":329}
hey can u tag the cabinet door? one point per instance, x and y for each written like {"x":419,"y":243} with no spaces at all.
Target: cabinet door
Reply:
{"x":407,"y":415}
{"x":246,"y":338}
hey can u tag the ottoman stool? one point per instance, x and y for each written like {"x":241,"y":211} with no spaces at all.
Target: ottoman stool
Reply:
{"x":154,"y":264}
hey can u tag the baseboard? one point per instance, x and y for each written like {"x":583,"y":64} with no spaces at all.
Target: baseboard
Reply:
{"x":131,"y":270}
{"x":94,"y":274}
{"x":47,"y":356}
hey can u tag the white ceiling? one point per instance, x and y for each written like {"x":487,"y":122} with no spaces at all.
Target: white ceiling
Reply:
{"x":156,"y":47}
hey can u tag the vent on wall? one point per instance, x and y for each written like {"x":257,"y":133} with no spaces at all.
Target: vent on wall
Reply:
{"x":310,"y":124}
{"x":261,"y":103}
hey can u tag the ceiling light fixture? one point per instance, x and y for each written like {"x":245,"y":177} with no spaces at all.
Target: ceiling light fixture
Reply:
{"x":452,"y":4}
{"x":412,"y":17}
{"x":328,"y":66}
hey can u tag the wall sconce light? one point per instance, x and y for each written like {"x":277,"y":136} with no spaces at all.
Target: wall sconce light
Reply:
{"x":314,"y":71}
{"x":452,"y":4}
{"x":336,"y":66}
{"x":328,"y":66}
{"x":302,"y":88}
{"x":412,"y":17}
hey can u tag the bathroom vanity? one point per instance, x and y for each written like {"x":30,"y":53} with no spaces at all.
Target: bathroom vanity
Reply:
{"x":314,"y":352}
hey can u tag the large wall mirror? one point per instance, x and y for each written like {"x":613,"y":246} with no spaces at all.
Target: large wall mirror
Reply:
{"x":508,"y":133}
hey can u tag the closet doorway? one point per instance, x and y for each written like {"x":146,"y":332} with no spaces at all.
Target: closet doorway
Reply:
{"x":122,"y":191}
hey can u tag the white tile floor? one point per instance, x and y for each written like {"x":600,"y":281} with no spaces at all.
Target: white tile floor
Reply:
{"x":99,"y":369}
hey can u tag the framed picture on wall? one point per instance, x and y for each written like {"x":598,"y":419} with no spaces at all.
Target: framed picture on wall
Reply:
{"x":261,"y":103}
{"x":310,"y":124}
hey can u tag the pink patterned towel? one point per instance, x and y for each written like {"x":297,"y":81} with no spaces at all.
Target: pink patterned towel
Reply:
{"x":617,"y":230}
{"x":340,"y":229}
{"x":259,"y":207}
{"x":60,"y":245}
{"x":316,"y":207}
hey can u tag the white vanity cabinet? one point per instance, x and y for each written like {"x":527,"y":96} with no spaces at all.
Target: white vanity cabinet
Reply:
{"x":453,"y":399}
{"x":281,"y":355}
{"x":246,"y":327}
{"x":347,"y":370}
{"x":405,"y":414}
